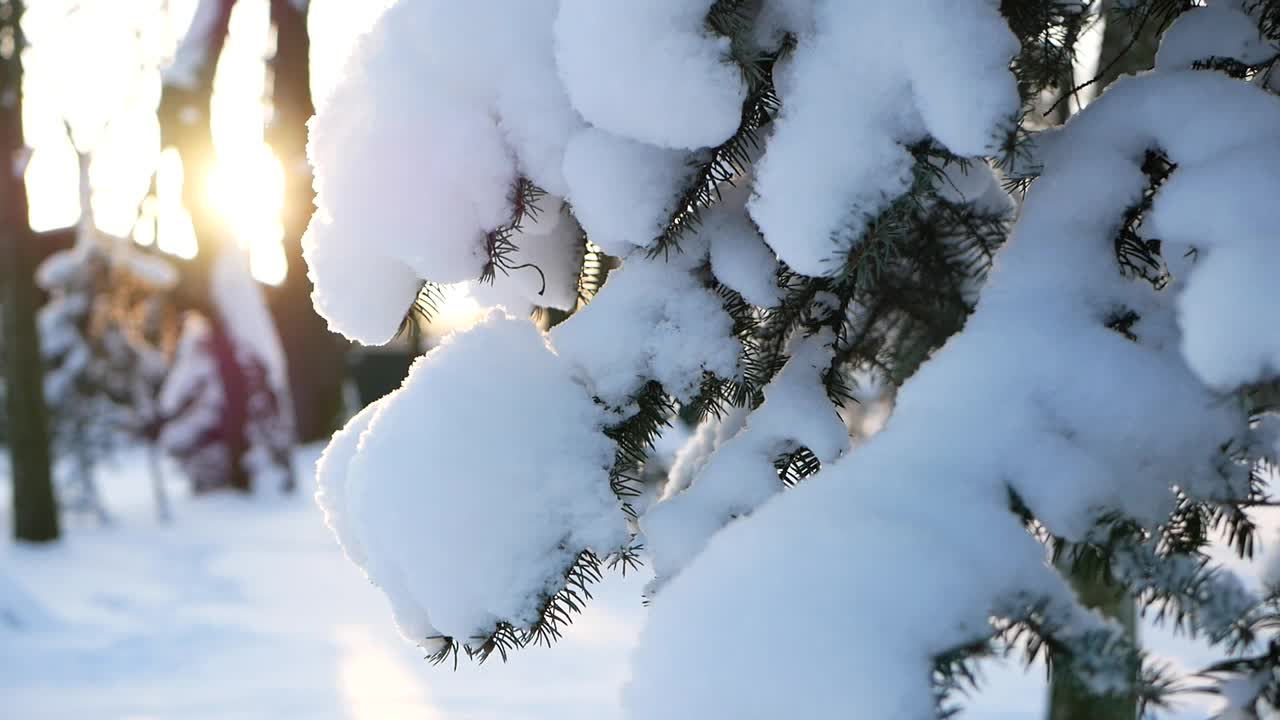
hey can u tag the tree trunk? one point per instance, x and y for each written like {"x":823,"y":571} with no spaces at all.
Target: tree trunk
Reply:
{"x":35,"y":510}
{"x":1128,"y":45}
{"x":1069,"y":698}
{"x":315,"y":356}
{"x":186,"y":126}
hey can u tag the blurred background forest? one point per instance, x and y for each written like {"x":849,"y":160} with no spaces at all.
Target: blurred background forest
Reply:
{"x":153,"y":273}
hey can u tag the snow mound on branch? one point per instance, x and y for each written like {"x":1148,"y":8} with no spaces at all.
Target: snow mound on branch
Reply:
{"x":440,"y":108}
{"x":872,"y":78}
{"x":501,"y":502}
{"x":740,"y":476}
{"x":650,"y":70}
{"x":1085,"y":422}
{"x":549,"y":259}
{"x":1203,"y":33}
{"x":652,"y":320}
{"x":623,"y":191}
{"x":331,"y":495}
{"x":360,"y":294}
{"x":739,"y":256}
{"x":1235,"y":280}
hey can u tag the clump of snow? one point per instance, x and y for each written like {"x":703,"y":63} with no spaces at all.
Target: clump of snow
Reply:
{"x":739,"y":256}
{"x":699,"y":447}
{"x":417,"y":149}
{"x":868,"y":80}
{"x":623,"y":191}
{"x":386,"y":288}
{"x":475,"y":534}
{"x":331,"y":495}
{"x":544,"y":269}
{"x":1214,"y":32}
{"x":1234,"y":275}
{"x":652,"y":320}
{"x":977,"y":185}
{"x":740,"y":475}
{"x":650,"y":71}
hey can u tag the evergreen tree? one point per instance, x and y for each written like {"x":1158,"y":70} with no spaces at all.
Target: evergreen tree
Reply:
{"x":802,"y":197}
{"x":191,"y":402}
{"x":102,"y":333}
{"x":224,"y":407}
{"x":75,"y":381}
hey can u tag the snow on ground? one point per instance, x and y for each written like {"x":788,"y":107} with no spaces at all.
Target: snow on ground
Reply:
{"x":245,"y":608}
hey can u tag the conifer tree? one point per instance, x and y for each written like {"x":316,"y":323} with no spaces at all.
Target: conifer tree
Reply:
{"x":191,"y":402}
{"x":102,"y":334}
{"x":801,"y":196}
{"x":76,"y":379}
{"x":223,"y":408}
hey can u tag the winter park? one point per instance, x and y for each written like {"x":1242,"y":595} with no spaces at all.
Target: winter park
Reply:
{"x":648,"y":360}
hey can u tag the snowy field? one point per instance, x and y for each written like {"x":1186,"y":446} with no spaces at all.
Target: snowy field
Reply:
{"x":246,"y":608}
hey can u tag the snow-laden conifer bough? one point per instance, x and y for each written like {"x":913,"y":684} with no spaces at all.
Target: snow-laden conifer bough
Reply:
{"x":795,"y":194}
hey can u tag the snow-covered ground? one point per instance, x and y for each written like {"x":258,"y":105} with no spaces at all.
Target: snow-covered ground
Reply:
{"x":245,"y":608}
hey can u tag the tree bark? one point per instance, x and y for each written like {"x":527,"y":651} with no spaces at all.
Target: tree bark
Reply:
{"x":35,"y":510}
{"x":315,"y":356}
{"x":1071,"y":699}
{"x":185,"y":119}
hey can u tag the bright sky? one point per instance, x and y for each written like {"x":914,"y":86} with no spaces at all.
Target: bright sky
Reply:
{"x":93,"y":65}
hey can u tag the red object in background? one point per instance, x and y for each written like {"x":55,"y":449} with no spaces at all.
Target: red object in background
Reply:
{"x":230,"y":431}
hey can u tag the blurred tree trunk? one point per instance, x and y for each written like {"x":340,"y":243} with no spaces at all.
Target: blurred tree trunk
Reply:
{"x":35,"y":511}
{"x":315,"y":356}
{"x":185,"y":117}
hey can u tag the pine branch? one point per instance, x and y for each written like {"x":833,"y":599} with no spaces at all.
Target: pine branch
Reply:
{"x":635,"y":437}
{"x":1047,"y":31}
{"x":556,"y":611}
{"x":499,"y":243}
{"x":795,"y":466}
{"x":425,"y":307}
{"x":728,"y":161}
